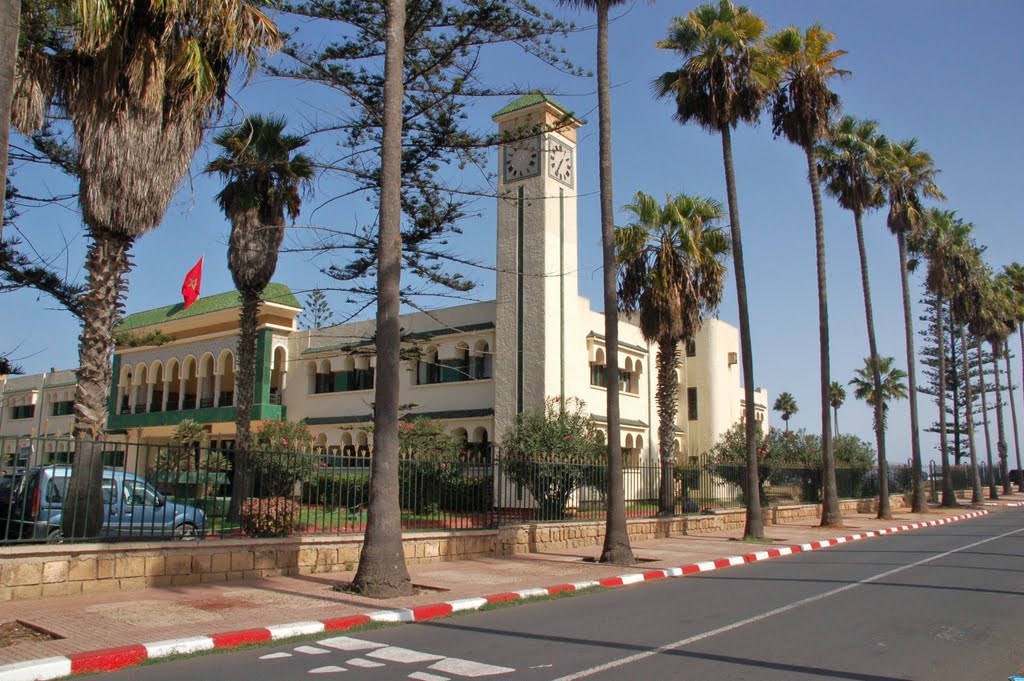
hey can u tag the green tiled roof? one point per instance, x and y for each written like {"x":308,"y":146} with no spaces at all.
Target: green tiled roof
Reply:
{"x":274,"y":293}
{"x":624,"y":422}
{"x":629,"y":346}
{"x":535,"y":97}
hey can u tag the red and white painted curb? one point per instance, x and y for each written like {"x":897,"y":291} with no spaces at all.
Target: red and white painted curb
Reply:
{"x":111,"y":659}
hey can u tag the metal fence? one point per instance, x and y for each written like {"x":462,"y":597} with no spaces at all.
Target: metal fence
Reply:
{"x":185,"y":492}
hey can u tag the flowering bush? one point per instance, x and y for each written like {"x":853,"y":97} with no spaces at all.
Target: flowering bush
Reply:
{"x":554,"y":452}
{"x":273,"y":516}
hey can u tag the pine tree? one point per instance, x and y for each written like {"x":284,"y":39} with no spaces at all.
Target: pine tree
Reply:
{"x":956,"y":392}
{"x":318,"y":312}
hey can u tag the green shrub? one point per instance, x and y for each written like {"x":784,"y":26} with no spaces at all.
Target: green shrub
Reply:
{"x":335,"y":490}
{"x":274,"y":516}
{"x":280,"y":456}
{"x":467,"y":495}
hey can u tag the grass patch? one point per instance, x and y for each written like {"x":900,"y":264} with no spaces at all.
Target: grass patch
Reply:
{"x":501,"y":605}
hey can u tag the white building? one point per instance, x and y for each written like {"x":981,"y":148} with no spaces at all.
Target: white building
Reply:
{"x":471,"y":367}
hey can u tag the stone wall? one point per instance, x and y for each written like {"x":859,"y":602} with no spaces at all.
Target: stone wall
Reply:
{"x":40,"y":571}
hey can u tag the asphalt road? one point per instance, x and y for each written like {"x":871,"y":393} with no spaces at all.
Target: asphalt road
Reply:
{"x":945,"y":603}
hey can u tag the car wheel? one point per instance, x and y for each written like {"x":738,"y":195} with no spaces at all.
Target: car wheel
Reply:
{"x":56,"y":536}
{"x":186,"y":532}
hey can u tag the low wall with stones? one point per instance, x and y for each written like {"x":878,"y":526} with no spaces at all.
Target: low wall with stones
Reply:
{"x":40,"y":571}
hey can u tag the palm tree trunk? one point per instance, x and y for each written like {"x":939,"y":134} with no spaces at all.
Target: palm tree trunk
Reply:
{"x":919,"y":502}
{"x":952,"y":371}
{"x":754,"y":527}
{"x":884,"y":509}
{"x":106,"y":264}
{"x":616,"y":534}
{"x":1000,"y":428}
{"x":1013,"y":415}
{"x":831,"y":516}
{"x":241,"y":476}
{"x":382,"y":572}
{"x":10,"y":17}
{"x":667,"y":398}
{"x":948,"y":497}
{"x":976,"y":496}
{"x":993,"y":493}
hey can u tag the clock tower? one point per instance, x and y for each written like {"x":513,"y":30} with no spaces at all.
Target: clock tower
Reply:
{"x":537,"y":284}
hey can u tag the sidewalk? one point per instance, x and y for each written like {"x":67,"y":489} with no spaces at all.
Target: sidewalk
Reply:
{"x":100,"y":621}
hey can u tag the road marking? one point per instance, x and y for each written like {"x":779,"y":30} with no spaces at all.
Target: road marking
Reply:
{"x":348,"y":643}
{"x":423,"y":676}
{"x":275,"y":656}
{"x":771,"y":613}
{"x":366,"y":664}
{"x":328,"y":670}
{"x":311,"y":650}
{"x":403,"y":655}
{"x":453,"y":665}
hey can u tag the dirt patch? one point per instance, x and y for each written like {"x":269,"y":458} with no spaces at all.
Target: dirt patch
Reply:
{"x":141,"y":612}
{"x":13,"y":633}
{"x":417,"y":589}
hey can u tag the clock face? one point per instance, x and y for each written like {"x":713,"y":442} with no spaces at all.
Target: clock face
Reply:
{"x":522,"y":159}
{"x":560,"y":162}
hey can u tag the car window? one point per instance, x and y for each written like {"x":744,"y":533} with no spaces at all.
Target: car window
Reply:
{"x":138,"y":493}
{"x":58,"y":488}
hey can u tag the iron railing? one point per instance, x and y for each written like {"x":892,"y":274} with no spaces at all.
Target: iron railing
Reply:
{"x":184,"y":491}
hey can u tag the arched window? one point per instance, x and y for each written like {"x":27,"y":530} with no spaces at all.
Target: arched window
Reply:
{"x":598,"y":370}
{"x":190,"y":398}
{"x":482,"y":360}
{"x":480,"y":446}
{"x":628,"y":453}
{"x":428,"y":368}
{"x":156,"y":401}
{"x":206,"y":381}
{"x":141,"y":384}
{"x":173,"y":384}
{"x":324,"y":378}
{"x":278,"y":374}
{"x":460,"y":365}
{"x":226,"y":397}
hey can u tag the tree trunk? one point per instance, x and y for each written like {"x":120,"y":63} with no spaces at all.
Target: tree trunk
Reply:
{"x":1013,"y":416}
{"x":948,"y":497}
{"x":884,"y":509}
{"x":831,"y":516}
{"x":919,"y":502}
{"x":976,"y":496}
{"x":952,"y":369}
{"x":616,"y":536}
{"x":993,"y":493}
{"x":835,"y":420}
{"x":382,"y":572}
{"x":1000,"y":428}
{"x":106,"y":264}
{"x":667,"y":400}
{"x":754,"y":527}
{"x":10,"y":17}
{"x":245,"y":382}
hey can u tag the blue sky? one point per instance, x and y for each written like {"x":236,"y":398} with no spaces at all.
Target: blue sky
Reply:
{"x":937,"y":70}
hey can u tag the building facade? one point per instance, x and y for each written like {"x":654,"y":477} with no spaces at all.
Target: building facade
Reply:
{"x":471,"y":367}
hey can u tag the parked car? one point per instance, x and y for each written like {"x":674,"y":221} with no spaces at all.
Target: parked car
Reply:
{"x":131,"y":507}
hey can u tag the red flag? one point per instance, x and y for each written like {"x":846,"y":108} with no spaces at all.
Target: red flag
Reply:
{"x":193,"y":281}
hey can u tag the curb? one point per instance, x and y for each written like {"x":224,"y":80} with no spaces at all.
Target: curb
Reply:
{"x":112,"y":659}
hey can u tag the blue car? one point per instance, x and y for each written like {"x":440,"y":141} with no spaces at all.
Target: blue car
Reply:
{"x":131,"y":507}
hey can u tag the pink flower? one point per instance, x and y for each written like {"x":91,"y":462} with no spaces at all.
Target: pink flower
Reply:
{"x":284,"y":442}
{"x":443,"y":466}
{"x":568,"y":437}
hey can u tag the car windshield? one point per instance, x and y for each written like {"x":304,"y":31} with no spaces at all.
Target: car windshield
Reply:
{"x":138,"y":493}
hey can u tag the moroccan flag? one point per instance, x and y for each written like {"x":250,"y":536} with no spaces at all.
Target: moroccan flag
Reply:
{"x":193,"y":281}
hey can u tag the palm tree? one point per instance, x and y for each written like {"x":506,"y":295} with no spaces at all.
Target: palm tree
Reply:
{"x":963,"y":303}
{"x":175,"y":61}
{"x":836,"y":398}
{"x":726,"y":78}
{"x":382,"y":572}
{"x":907,"y":175}
{"x":785,"y":404}
{"x":893,"y":382}
{"x":1013,"y":276}
{"x":616,"y":538}
{"x":264,"y":173}
{"x":945,"y":244}
{"x":848,"y":161}
{"x":671,"y":276}
{"x":802,"y":112}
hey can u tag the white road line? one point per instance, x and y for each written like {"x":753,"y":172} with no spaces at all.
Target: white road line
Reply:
{"x":275,"y":656}
{"x":771,"y":613}
{"x":331,"y":669}
{"x":423,"y":676}
{"x":311,"y":650}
